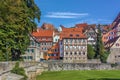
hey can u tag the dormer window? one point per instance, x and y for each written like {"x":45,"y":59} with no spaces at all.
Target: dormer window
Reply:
{"x":71,"y":35}
{"x":77,"y":35}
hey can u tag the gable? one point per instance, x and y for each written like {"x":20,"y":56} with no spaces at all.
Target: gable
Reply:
{"x":116,"y":44}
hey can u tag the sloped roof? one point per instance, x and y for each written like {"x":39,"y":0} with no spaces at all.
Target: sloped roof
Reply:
{"x":43,"y":33}
{"x":72,"y":35}
{"x":112,"y":41}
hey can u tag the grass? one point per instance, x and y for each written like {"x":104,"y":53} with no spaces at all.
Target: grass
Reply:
{"x":80,"y":75}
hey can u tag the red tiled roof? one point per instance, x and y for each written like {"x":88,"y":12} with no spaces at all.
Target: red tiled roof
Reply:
{"x":82,"y":25}
{"x":72,"y":35}
{"x":47,"y":26}
{"x":43,"y":33}
{"x":72,"y":30}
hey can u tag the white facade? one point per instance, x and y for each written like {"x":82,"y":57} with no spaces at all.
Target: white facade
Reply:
{"x":56,"y":38}
{"x":75,"y":50}
{"x":33,"y":51}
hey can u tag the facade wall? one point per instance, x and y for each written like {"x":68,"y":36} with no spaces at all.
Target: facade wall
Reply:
{"x":92,"y":36}
{"x":33,"y":51}
{"x":56,"y":38}
{"x":114,"y":56}
{"x":61,"y":48}
{"x":44,"y":48}
{"x":75,"y":50}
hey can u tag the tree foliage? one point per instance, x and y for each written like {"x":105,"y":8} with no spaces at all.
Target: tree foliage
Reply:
{"x":99,"y":43}
{"x":17,"y":20}
{"x":90,"y":51}
{"x":101,"y":53}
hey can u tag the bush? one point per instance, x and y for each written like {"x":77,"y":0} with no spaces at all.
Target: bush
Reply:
{"x":103,"y":57}
{"x":19,"y":70}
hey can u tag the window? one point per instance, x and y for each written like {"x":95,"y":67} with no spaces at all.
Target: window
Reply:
{"x":66,"y":53}
{"x":66,"y":58}
{"x":30,"y":57}
{"x":45,"y":49}
{"x":117,"y":44}
{"x":24,"y":57}
{"x":66,"y":47}
{"x":66,"y":40}
{"x":71,"y":53}
{"x":71,"y":40}
{"x":38,"y":44}
{"x":77,"y":35}
{"x":83,"y":40}
{"x":32,"y":43}
{"x":75,"y":53}
{"x":71,"y":35}
{"x":79,"y":53}
{"x":56,"y":50}
{"x":56,"y":40}
{"x":32,"y":50}
{"x":45,"y":43}
{"x":52,"y":54}
{"x":28,"y":50}
{"x":83,"y":53}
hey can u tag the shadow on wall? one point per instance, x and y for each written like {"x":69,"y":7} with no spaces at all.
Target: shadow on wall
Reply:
{"x":104,"y":79}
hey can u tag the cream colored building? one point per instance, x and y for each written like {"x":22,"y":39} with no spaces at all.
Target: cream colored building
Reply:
{"x":114,"y":47}
{"x":33,"y":51}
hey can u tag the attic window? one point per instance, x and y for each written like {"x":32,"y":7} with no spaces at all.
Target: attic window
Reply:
{"x":117,"y":44}
{"x":77,"y":35}
{"x":71,"y":35}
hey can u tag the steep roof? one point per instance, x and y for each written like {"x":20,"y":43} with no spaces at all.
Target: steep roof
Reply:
{"x":72,"y":35}
{"x":43,"y":33}
{"x":47,"y":26}
{"x":111,"y":42}
{"x":82,"y":25}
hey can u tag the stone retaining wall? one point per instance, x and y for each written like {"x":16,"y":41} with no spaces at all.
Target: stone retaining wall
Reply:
{"x":80,"y":66}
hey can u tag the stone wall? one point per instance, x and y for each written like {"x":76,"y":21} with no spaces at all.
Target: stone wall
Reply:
{"x":80,"y":66}
{"x":32,"y":69}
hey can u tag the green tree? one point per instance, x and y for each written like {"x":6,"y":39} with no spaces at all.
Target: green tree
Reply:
{"x":99,"y":43}
{"x":17,"y":21}
{"x":101,"y":53}
{"x":90,"y":51}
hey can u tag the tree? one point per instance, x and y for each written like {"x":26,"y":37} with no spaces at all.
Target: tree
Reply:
{"x":101,"y":53}
{"x":90,"y":51}
{"x":99,"y":43}
{"x":17,"y":21}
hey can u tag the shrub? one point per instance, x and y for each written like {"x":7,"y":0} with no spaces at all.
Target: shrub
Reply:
{"x":19,"y":70}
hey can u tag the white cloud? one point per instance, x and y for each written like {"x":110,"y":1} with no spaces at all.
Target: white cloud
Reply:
{"x":65,"y":15}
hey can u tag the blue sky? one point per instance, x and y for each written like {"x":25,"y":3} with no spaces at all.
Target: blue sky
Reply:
{"x":71,"y":12}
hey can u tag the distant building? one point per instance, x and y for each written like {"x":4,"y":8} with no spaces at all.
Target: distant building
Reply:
{"x":56,"y":37}
{"x":91,"y":33}
{"x":33,"y":51}
{"x":45,"y":37}
{"x":53,"y":53}
{"x":74,"y":45}
{"x":112,"y":30}
{"x":47,"y":26}
{"x":109,"y":36}
{"x":113,"y":46}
